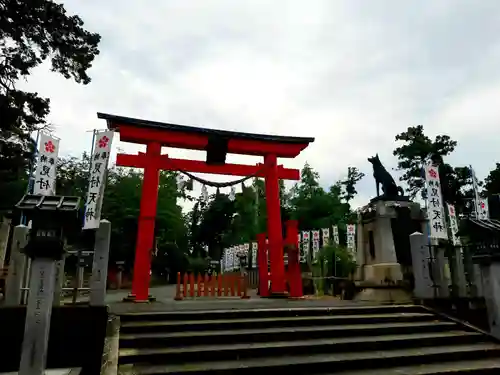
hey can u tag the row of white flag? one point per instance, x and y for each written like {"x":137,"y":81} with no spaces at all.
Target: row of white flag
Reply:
{"x":44,"y":182}
{"x":232,"y":256}
{"x":438,"y":227}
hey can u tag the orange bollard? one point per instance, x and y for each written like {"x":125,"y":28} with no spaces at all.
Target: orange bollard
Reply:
{"x":219,"y":285}
{"x":206,"y":286}
{"x":231,"y":281}
{"x":191,"y":285}
{"x":178,"y":295}
{"x":184,"y":285}
{"x":213,"y":285}
{"x":245,"y":289}
{"x":226,"y":285}
{"x":198,"y":292}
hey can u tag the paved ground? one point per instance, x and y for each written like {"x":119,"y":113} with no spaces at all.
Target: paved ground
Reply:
{"x":165,"y":302}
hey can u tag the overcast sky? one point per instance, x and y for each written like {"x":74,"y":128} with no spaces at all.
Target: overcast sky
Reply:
{"x":350,"y":73}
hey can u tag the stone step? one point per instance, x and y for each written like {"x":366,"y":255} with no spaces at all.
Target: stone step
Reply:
{"x":473,"y":367}
{"x":197,"y":325}
{"x":175,"y":339}
{"x":219,"y":351}
{"x":325,"y":363}
{"x":268,"y":312}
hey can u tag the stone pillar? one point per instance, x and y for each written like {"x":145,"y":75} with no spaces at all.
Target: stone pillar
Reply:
{"x":440,"y":269}
{"x":15,"y":277}
{"x":458,"y":274}
{"x":420,"y":256}
{"x":491,"y":287}
{"x":39,"y":311}
{"x":99,"y":276}
{"x":478,"y":281}
{"x":438,"y":265}
{"x":4,"y":239}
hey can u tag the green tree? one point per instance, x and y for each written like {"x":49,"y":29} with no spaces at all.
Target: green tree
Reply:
{"x":492,"y":181}
{"x":315,"y":208}
{"x":30,"y":33}
{"x":349,"y":184}
{"x":417,"y":148}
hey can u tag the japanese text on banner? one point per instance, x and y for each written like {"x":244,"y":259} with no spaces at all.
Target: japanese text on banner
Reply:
{"x":45,"y":174}
{"x":435,"y":211}
{"x":336,"y":238}
{"x":351,"y":236}
{"x":98,"y":168}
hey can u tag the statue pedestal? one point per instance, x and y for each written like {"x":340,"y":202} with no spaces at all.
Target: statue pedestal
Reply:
{"x":384,"y":248}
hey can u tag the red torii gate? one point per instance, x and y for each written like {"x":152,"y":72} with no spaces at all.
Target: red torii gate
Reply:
{"x":217,"y":143}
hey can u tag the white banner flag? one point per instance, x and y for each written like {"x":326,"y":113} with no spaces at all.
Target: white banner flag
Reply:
{"x":351,"y":236}
{"x":315,"y":249}
{"x":326,"y":236}
{"x":97,"y":179}
{"x":305,"y":236}
{"x":231,"y":259}
{"x":315,"y":235}
{"x":255,"y":247}
{"x":45,"y":174}
{"x":305,"y":252}
{"x":453,"y":225}
{"x":435,"y":212}
{"x":483,"y":210}
{"x":336,"y":238}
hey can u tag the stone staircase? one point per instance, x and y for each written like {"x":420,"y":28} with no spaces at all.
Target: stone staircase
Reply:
{"x":347,"y":340}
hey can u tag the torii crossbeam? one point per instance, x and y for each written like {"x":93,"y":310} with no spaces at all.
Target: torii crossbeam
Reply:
{"x":218,"y":144}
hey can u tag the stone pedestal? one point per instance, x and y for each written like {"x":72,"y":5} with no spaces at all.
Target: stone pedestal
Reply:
{"x":378,"y":248}
{"x":380,"y":274}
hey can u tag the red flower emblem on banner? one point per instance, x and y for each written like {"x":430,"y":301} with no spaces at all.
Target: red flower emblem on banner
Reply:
{"x":103,"y":142}
{"x":433,"y":173}
{"x":452,"y":211}
{"x":50,"y":147}
{"x":482,"y":205}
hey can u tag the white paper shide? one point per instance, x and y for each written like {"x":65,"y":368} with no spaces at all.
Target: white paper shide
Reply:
{"x":98,"y":168}
{"x":435,"y":212}
{"x":45,"y":174}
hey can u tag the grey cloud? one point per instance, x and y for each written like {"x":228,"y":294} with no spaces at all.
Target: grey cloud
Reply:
{"x":350,"y":73}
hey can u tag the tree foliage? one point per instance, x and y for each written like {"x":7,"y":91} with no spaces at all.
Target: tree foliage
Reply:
{"x":414,"y":153}
{"x":30,"y":33}
{"x":492,"y":181}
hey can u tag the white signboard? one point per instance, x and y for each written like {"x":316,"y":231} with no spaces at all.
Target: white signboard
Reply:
{"x":45,"y":174}
{"x":452,"y":214}
{"x":435,"y":212}
{"x":98,"y":167}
